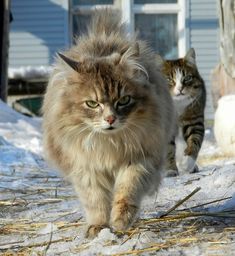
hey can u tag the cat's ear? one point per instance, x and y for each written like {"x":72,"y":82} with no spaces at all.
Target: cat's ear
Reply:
{"x":130,"y":53}
{"x":190,"y":57}
{"x":114,"y":58}
{"x":72,"y":63}
{"x":159,"y":61}
{"x":130,"y":57}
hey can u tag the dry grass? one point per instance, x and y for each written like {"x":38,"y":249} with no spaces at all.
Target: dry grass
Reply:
{"x":46,"y":192}
{"x":179,"y":228}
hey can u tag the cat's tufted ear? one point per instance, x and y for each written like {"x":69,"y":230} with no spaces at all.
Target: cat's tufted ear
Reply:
{"x":114,"y":58}
{"x":190,"y":57}
{"x":130,"y":57}
{"x":159,"y":61}
{"x":72,"y":63}
{"x":130,"y":53}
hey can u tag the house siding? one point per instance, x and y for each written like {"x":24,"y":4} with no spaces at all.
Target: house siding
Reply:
{"x":204,"y":38}
{"x":39,"y":29}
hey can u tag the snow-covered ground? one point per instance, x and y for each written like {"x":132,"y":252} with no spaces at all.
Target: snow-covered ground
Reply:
{"x":40,"y":213}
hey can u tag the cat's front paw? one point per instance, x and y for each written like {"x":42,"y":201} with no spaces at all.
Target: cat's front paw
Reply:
{"x":171,"y":173}
{"x":122,"y":215}
{"x":93,"y":230}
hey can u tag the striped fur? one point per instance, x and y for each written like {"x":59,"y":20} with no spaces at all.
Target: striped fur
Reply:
{"x":188,"y":92}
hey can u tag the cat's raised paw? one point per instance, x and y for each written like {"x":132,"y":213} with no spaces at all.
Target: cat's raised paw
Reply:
{"x":171,"y":173}
{"x":93,"y":230}
{"x":123,"y":215}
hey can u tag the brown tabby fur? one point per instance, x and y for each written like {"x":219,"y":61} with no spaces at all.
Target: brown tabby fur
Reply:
{"x":189,"y":100}
{"x":112,"y":166}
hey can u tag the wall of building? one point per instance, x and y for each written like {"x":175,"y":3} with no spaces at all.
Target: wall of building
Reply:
{"x":41,"y":28}
{"x":204,"y":37}
{"x":38,"y":30}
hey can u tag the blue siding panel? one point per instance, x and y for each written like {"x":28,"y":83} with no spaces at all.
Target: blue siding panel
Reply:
{"x":39,"y":29}
{"x":204,"y":37}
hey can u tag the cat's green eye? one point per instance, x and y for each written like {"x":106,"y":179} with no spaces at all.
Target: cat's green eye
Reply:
{"x":169,"y":80}
{"x":188,"y":78}
{"x":92,"y":104}
{"x":125,"y":100}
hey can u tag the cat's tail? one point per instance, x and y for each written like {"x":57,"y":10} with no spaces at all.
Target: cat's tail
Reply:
{"x":106,"y":21}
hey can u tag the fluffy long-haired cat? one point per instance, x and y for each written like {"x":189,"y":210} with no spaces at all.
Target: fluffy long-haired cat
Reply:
{"x":188,"y":92}
{"x":108,"y":117}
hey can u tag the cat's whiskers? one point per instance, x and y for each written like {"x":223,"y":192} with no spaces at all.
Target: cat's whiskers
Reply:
{"x":89,"y":141}
{"x":195,"y":100}
{"x":137,"y":126}
{"x":135,"y":137}
{"x":125,"y":142}
{"x":97,"y":126}
{"x":73,"y":133}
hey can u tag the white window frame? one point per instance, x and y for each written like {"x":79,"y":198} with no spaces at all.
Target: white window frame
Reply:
{"x":129,"y":9}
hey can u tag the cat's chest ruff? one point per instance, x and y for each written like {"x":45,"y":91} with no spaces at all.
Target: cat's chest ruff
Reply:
{"x":104,"y":154}
{"x":181,"y":103}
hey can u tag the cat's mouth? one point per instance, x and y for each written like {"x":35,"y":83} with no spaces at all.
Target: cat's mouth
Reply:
{"x":180,"y":94}
{"x":110,"y":128}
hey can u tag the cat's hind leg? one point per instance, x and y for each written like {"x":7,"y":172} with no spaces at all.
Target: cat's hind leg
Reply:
{"x":188,"y":164}
{"x":171,"y":167}
{"x":194,"y":135}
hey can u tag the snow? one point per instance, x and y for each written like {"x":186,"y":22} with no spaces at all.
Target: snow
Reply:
{"x":40,"y":213}
{"x":224,"y":125}
{"x":29,"y":72}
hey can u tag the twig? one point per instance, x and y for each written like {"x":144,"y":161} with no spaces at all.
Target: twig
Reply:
{"x":50,"y":240}
{"x":180,"y":202}
{"x":17,"y":246}
{"x":155,"y":248}
{"x":184,"y":215}
{"x":130,"y":236}
{"x":211,"y":202}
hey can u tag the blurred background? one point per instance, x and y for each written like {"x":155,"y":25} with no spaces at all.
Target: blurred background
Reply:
{"x":38,"y":29}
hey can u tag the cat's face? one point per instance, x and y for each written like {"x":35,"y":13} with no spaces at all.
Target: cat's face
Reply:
{"x":183,"y":78}
{"x":104,"y":102}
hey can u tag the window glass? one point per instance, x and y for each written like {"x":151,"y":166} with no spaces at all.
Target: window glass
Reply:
{"x":160,"y":30}
{"x":80,"y":23}
{"x":155,"y":1}
{"x":92,"y":2}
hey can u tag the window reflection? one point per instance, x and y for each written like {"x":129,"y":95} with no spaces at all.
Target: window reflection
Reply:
{"x":80,"y":23}
{"x":160,"y":30}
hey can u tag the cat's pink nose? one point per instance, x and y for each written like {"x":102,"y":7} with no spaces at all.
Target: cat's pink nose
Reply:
{"x":110,"y":119}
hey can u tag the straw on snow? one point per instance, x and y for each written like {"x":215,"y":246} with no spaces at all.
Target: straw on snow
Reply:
{"x":185,"y":237}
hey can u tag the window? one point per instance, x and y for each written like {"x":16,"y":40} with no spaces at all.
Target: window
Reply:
{"x":160,"y":22}
{"x":80,"y":11}
{"x":160,"y":30}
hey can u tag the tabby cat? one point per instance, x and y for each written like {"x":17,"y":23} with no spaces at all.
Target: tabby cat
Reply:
{"x":189,"y":95}
{"x":108,"y":119}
